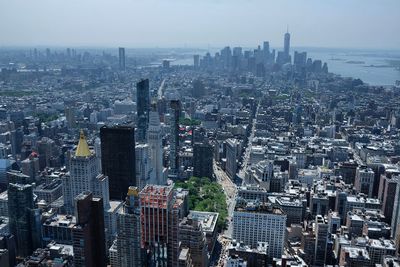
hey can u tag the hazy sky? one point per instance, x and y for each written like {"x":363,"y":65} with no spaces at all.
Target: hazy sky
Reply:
{"x":197,"y":23}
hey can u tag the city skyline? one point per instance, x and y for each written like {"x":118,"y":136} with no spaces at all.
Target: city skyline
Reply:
{"x":206,"y":23}
{"x":208,"y":133}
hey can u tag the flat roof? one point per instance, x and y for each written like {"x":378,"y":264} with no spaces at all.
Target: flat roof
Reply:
{"x":208,"y":220}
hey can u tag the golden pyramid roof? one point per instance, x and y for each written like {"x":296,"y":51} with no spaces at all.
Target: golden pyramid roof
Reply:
{"x":83,"y":149}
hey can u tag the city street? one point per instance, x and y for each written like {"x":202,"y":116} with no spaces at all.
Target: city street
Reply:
{"x":230,"y":191}
{"x":246,"y":154}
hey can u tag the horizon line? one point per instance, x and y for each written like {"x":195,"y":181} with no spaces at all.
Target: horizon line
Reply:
{"x":187,"y":47}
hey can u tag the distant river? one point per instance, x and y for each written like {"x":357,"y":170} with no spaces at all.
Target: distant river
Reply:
{"x":358,"y":64}
{"x":371,"y":66}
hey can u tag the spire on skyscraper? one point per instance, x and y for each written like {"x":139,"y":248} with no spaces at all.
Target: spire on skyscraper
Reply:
{"x":83,"y":149}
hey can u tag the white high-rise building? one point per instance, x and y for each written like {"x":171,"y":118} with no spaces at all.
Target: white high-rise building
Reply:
{"x":255,"y":222}
{"x":83,"y":168}
{"x":143,"y":168}
{"x":154,"y":140}
{"x":84,"y":175}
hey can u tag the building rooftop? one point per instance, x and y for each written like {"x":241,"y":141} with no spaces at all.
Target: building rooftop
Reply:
{"x":208,"y":220}
{"x":61,"y":220}
{"x":382,"y":244}
{"x":357,"y":253}
{"x":257,"y":207}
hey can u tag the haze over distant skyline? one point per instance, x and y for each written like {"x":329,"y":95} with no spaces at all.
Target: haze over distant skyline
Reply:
{"x":199,"y":23}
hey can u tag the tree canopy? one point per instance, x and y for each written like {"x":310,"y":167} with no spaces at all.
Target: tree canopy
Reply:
{"x":206,"y":195}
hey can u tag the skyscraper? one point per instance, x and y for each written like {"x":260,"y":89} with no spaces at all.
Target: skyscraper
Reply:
{"x":128,"y":224}
{"x":266,"y":53}
{"x":24,"y":220}
{"x":84,"y":176}
{"x":121,"y":57}
{"x":118,"y":158}
{"x":232,"y":146}
{"x":161,"y":210}
{"x":154,"y":139}
{"x":143,"y":108}
{"x":70,"y":117}
{"x":300,"y":59}
{"x":83,"y":166}
{"x":202,"y":160}
{"x":196,"y":61}
{"x":286,"y":46}
{"x":88,"y":235}
{"x":143,"y":167}
{"x":321,"y":240}
{"x":175,"y":106}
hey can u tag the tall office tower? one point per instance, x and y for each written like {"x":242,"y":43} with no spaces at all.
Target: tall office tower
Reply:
{"x":128,"y":224}
{"x":238,"y":52}
{"x":154,"y":140}
{"x":266,"y":53}
{"x":97,"y":151}
{"x":273,"y":55}
{"x":7,"y":243}
{"x":321,"y":240}
{"x":387,"y":195}
{"x":143,"y":167}
{"x":175,"y":106}
{"x":161,"y":209}
{"x":70,"y":117}
{"x":88,"y":237}
{"x":286,"y":45}
{"x":300,"y":59}
{"x":260,"y":222}
{"x":24,"y":220}
{"x":226,"y":57}
{"x":192,"y":237}
{"x":202,"y":160}
{"x":83,"y":167}
{"x":48,"y":154}
{"x":396,"y":217}
{"x":118,"y":158}
{"x":143,"y":108}
{"x":232,"y":146}
{"x":364,"y":182}
{"x":196,"y":61}
{"x":237,"y":58}
{"x":121,"y":57}
{"x":85,"y":176}
{"x":266,"y":48}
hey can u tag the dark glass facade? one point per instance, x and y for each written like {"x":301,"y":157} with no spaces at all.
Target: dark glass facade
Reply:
{"x":143,"y":108}
{"x":118,"y":158}
{"x":88,"y":235}
{"x":202,"y":160}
